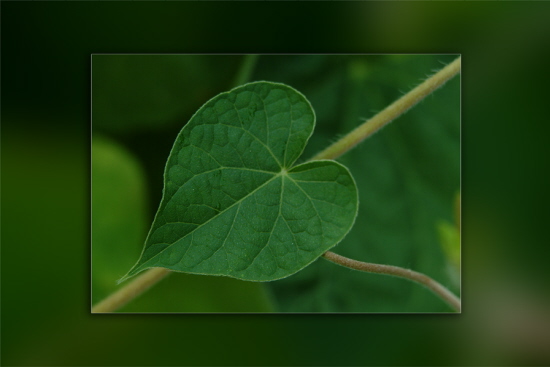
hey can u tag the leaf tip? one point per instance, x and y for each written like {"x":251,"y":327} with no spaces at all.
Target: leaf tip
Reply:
{"x":123,"y":278}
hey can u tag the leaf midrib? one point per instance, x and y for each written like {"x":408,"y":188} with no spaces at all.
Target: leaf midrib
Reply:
{"x":276,"y":175}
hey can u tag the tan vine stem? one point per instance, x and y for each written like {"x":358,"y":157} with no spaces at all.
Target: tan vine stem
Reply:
{"x":396,"y":271}
{"x":391,"y":112}
{"x":130,"y":291}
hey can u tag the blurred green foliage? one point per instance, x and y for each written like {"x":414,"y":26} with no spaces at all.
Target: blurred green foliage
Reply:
{"x":149,"y":92}
{"x":407,"y":173}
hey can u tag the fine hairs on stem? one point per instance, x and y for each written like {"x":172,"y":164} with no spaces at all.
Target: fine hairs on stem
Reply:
{"x":362,"y":132}
{"x":390,"y":113}
{"x":343,"y":145}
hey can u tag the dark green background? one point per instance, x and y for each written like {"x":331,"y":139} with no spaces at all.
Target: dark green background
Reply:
{"x":46,"y":51}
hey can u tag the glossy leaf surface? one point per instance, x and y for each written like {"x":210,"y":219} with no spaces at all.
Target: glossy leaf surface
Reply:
{"x":234,"y":205}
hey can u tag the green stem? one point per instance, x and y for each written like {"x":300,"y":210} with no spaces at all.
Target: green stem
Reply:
{"x":396,"y":271}
{"x":245,"y":71}
{"x":391,"y":112}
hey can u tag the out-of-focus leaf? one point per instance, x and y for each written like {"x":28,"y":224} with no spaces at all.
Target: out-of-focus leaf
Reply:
{"x":449,"y":237}
{"x":118,"y":214}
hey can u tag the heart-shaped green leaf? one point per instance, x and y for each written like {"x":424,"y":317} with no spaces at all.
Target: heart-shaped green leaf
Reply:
{"x":233,"y":206}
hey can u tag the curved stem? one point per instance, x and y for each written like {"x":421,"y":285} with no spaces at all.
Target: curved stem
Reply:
{"x":130,"y":291}
{"x":391,"y":112}
{"x":396,"y":271}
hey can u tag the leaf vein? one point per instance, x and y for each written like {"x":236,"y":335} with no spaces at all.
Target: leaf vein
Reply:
{"x":209,"y":220}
